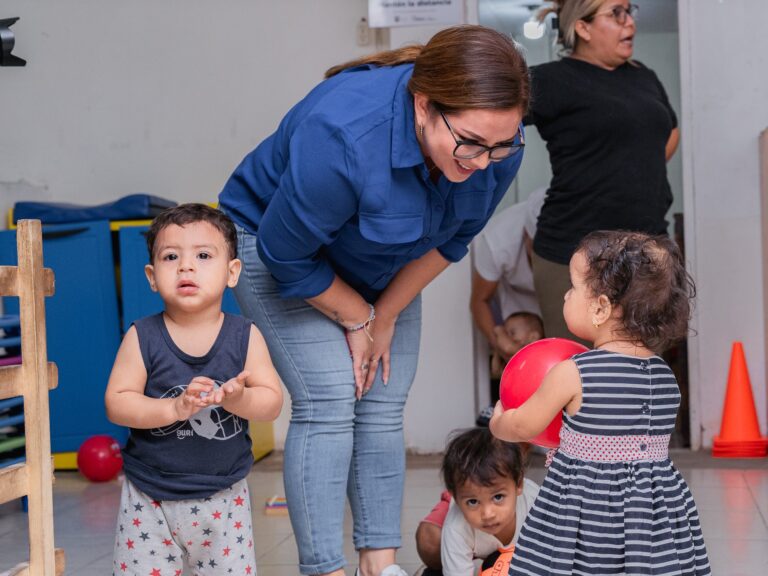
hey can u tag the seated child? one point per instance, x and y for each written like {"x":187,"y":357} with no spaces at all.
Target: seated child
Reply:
{"x":187,"y":381}
{"x":503,"y":300}
{"x":490,"y":501}
{"x":518,"y":330}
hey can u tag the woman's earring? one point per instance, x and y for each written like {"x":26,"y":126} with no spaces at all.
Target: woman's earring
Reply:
{"x":421,"y":130}
{"x":595,"y":323}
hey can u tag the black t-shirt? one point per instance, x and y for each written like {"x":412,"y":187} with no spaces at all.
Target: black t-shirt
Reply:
{"x":606,"y":132}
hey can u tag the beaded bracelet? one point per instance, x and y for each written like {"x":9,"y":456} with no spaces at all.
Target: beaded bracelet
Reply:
{"x":364,"y":325}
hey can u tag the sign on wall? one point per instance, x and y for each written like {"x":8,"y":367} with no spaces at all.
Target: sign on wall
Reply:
{"x":391,"y":13}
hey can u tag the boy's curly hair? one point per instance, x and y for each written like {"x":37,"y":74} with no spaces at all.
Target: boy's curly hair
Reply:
{"x":645,"y":277}
{"x":477,"y":456}
{"x":184,"y":214}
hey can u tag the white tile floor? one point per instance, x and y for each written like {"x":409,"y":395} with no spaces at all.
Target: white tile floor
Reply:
{"x":732,"y":496}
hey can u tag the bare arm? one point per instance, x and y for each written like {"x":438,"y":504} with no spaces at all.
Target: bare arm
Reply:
{"x":404,"y":287}
{"x":342,"y":304}
{"x":480,"y":306}
{"x":408,"y":283}
{"x":672,"y":143}
{"x":125,"y":400}
{"x":560,"y":389}
{"x":255,"y":394}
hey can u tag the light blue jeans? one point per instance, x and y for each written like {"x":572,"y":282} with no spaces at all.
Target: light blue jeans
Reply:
{"x":336,"y":446}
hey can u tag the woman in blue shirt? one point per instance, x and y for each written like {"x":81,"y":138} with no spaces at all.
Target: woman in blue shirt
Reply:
{"x":371,"y":185}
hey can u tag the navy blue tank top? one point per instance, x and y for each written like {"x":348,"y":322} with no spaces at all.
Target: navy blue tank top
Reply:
{"x":212,"y":450}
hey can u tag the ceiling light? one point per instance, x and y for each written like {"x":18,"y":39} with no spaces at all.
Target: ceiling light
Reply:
{"x":533,"y":29}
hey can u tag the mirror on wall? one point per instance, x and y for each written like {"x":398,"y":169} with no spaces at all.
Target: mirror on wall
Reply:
{"x":656,"y":46}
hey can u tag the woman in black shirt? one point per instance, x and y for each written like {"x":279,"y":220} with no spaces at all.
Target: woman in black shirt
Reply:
{"x":609,"y":130}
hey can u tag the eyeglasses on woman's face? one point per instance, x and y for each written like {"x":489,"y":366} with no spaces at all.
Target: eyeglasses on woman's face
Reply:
{"x":620,"y":13}
{"x":468,"y":149}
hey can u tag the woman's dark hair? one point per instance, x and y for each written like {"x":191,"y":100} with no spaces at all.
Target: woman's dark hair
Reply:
{"x":461,"y":68}
{"x":645,"y":277}
{"x":184,"y":214}
{"x":475,"y":455}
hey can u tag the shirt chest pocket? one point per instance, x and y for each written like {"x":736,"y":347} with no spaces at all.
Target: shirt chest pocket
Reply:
{"x":471,"y":204}
{"x":391,"y":228}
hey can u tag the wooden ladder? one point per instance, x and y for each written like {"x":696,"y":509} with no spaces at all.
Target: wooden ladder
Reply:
{"x":32,"y":379}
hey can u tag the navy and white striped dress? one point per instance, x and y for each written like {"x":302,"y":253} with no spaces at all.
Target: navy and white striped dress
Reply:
{"x":612,"y":501}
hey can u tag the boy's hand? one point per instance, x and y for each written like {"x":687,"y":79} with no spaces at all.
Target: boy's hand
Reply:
{"x":194,"y":398}
{"x":232,"y":389}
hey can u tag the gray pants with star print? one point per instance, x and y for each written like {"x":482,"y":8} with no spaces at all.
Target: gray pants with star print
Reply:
{"x":210,"y":536}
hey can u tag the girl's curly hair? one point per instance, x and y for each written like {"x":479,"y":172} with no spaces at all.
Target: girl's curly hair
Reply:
{"x":645,"y":277}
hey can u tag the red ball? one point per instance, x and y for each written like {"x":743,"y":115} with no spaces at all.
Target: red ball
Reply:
{"x":526,"y":370}
{"x":99,"y":458}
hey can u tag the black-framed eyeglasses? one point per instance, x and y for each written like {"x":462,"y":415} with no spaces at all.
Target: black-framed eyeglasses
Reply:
{"x":619,"y":13}
{"x":468,"y":149}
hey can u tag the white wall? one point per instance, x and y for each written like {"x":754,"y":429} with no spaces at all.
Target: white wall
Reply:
{"x":162,"y":97}
{"x":724,"y":59}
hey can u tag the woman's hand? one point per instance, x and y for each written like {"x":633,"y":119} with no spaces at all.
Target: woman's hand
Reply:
{"x":361,"y":349}
{"x":383,"y":331}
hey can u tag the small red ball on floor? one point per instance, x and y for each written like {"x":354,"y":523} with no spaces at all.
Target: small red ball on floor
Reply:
{"x":99,"y":458}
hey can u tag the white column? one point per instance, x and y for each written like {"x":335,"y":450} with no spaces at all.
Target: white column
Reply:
{"x":724,"y":87}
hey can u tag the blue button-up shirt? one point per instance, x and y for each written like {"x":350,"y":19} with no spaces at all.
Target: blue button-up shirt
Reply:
{"x":342,"y":188}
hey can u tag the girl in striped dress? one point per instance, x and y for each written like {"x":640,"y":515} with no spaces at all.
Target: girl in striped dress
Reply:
{"x":612,"y":501}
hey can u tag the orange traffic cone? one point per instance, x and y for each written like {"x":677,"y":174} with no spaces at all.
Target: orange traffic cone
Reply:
{"x":739,"y":430}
